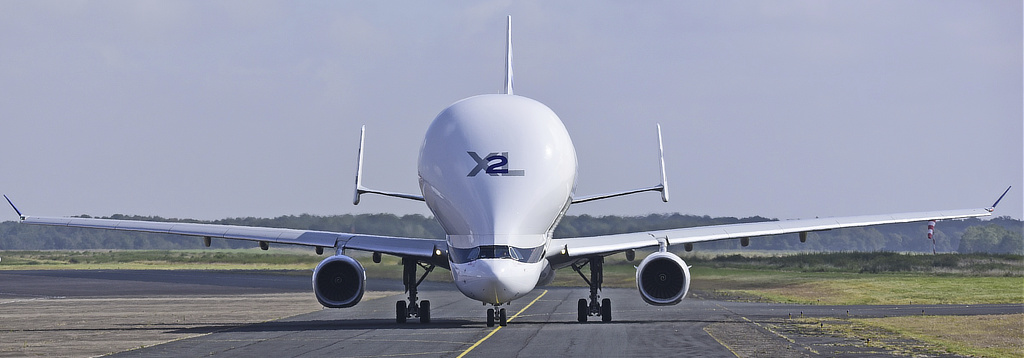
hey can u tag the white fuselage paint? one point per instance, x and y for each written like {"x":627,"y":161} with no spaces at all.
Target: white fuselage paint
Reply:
{"x":514,"y":199}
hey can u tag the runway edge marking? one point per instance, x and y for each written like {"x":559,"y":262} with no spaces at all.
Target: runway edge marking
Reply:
{"x":772,"y":331}
{"x":470,"y":349}
{"x":720,"y":342}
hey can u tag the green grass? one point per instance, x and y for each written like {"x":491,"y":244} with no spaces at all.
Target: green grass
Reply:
{"x":867,"y":262}
{"x":981,"y":336}
{"x":842,"y":288}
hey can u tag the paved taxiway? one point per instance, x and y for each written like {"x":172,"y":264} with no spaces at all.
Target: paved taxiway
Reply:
{"x":697,"y":327}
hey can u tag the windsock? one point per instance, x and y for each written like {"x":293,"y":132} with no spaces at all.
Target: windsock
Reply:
{"x":931,"y":229}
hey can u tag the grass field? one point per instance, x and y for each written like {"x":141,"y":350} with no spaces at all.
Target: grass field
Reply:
{"x":977,"y":336}
{"x":839,"y":288}
{"x":986,"y":336}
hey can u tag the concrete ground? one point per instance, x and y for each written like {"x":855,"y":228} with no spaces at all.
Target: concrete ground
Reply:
{"x":260,"y":313}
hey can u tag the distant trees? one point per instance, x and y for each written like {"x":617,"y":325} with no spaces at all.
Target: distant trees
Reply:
{"x":998,"y":235}
{"x":991,"y":238}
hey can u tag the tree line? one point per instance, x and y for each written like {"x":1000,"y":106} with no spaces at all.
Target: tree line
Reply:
{"x":998,"y":235}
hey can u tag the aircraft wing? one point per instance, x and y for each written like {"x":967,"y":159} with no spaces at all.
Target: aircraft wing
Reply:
{"x":610,"y":244}
{"x":427,"y":249}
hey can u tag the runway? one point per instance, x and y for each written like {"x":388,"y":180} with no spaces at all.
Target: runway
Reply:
{"x":698,"y":326}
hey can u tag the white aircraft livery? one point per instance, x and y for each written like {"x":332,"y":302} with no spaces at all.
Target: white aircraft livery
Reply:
{"x":498,"y":171}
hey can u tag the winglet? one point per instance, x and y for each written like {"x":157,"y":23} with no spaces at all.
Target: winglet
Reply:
{"x":993,"y":207}
{"x":508,"y":58}
{"x":20,"y":215}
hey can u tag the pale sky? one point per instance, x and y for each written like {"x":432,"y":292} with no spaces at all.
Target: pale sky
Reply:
{"x":215,"y":109}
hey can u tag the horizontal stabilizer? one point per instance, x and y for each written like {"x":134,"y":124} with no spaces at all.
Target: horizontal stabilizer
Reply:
{"x":360,"y":189}
{"x":663,"y":187}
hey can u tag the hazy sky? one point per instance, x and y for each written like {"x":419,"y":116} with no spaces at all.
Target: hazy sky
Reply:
{"x":214,"y":109}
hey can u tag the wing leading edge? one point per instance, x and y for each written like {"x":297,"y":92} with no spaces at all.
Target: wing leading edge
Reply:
{"x":427,"y":249}
{"x":609,"y":244}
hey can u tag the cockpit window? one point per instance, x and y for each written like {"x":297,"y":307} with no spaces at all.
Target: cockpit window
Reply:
{"x":461,"y":256}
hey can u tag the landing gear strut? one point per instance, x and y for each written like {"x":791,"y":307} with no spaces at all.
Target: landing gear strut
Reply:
{"x":494,"y":314}
{"x":593,"y":308}
{"x":403,"y":309}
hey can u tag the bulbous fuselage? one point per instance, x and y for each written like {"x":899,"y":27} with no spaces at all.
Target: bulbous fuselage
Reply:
{"x":498,"y":173}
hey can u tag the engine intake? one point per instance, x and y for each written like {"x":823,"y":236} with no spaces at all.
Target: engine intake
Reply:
{"x":663,"y":279}
{"x":339,"y":281}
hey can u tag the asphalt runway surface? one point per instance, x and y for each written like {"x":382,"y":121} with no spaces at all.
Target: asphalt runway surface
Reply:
{"x":541,"y":324}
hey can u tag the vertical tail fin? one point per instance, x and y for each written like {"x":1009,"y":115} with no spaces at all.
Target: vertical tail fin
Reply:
{"x":508,"y":58}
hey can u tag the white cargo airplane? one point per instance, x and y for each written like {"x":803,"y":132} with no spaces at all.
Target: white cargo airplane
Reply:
{"x":498,"y":171}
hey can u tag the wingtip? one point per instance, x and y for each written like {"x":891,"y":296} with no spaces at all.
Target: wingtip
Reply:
{"x":993,"y":207}
{"x":20,"y":215}
{"x":661,"y":158}
{"x":359,"y":167}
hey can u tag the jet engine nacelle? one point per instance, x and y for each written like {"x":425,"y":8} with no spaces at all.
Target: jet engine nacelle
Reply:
{"x":663,"y":279}
{"x":339,"y":281}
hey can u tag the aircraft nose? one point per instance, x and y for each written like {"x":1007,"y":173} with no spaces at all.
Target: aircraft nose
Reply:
{"x":500,"y":287}
{"x":495,"y":281}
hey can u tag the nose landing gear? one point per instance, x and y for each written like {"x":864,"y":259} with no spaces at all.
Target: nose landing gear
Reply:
{"x":496,"y":315}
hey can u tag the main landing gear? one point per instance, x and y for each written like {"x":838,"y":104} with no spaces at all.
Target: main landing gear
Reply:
{"x":593,"y":308}
{"x":403,"y":309}
{"x":496,"y":314}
